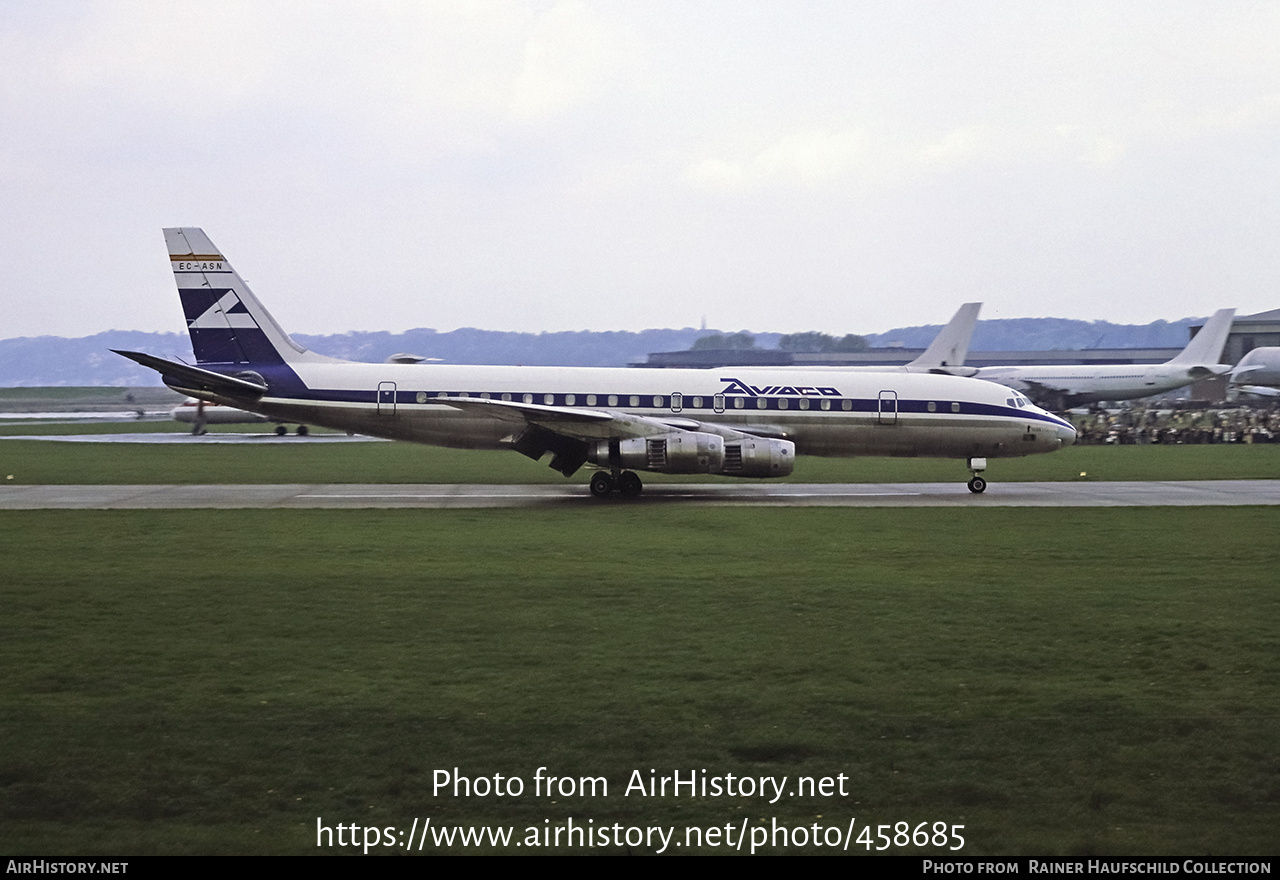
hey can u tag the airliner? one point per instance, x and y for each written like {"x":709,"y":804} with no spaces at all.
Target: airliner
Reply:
{"x":1061,"y":386}
{"x":734,"y":422}
{"x":199,"y":414}
{"x":1258,"y":372}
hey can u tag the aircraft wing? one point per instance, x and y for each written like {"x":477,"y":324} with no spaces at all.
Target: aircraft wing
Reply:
{"x":591,"y":424}
{"x":189,"y":378}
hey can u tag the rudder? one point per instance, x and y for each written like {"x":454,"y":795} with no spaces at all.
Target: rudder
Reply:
{"x":226,"y":322}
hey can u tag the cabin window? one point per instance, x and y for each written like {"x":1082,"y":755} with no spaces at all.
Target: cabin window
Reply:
{"x":697,"y":403}
{"x":484,"y":395}
{"x":932,"y":407}
{"x":783,"y":403}
{"x":506,"y":396}
{"x":591,"y":400}
{"x":826,"y":404}
{"x":846,"y":405}
{"x":804,"y":403}
{"x":739,"y":402}
{"x":613,"y":400}
{"x":528,"y":398}
{"x":762,"y":403}
{"x":635,"y":400}
{"x":569,"y":399}
{"x":955,"y":407}
{"x":549,"y":399}
{"x":657,"y":401}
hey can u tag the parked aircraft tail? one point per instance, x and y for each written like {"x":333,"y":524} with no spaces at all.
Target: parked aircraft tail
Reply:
{"x":226,"y":322}
{"x":1205,"y":348}
{"x":950,"y":347}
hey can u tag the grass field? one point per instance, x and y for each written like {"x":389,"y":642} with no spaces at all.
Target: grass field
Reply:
{"x":1057,"y":681}
{"x":38,"y":462}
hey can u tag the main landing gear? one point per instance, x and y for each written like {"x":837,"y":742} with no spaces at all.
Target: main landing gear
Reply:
{"x":626,"y":482}
{"x":977,"y":485}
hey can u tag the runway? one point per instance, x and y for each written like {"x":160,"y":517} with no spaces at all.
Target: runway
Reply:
{"x":357,"y":496}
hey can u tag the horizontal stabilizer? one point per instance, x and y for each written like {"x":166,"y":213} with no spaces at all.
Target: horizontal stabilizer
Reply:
{"x":190,"y":378}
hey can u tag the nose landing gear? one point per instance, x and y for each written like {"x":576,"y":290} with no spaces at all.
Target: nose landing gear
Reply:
{"x":977,"y":485}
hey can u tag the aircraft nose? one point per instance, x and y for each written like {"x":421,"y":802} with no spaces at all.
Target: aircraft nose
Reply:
{"x":1066,"y":434}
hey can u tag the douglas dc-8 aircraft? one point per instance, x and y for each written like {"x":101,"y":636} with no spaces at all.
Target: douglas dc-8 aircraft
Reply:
{"x":733,"y":422}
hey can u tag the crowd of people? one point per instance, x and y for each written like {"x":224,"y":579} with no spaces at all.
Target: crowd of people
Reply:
{"x":1146,"y":423}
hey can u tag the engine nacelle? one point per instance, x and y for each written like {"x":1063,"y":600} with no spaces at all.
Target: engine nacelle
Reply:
{"x":693,"y":452}
{"x":758,"y":457}
{"x":684,"y":452}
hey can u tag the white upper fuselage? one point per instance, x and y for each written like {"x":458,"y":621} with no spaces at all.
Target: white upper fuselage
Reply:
{"x":823,"y":412}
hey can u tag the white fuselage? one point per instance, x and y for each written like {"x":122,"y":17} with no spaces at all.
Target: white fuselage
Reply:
{"x":822,"y":412}
{"x":191,"y":411}
{"x":1260,"y":367}
{"x":1063,"y":385}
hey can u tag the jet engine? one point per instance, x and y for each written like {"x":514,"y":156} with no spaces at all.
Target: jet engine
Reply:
{"x":684,"y":452}
{"x":758,"y":457}
{"x":694,"y":452}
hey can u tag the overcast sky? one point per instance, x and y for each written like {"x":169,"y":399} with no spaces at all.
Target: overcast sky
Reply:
{"x":842,"y":166}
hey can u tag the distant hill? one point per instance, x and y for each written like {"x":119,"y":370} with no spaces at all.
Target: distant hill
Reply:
{"x":87,"y":360}
{"x":1050,"y":334}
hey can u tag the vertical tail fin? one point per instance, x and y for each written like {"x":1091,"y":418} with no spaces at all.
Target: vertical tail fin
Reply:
{"x":226,"y":322}
{"x":1205,"y":348}
{"x":951,"y":346}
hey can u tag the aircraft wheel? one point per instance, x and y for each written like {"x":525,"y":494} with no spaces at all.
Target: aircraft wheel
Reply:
{"x":601,"y":484}
{"x":977,"y":485}
{"x":302,"y":431}
{"x":281,"y":430}
{"x":629,"y":485}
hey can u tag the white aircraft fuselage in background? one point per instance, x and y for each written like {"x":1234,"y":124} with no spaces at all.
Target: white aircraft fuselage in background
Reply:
{"x":192,"y":412}
{"x":1259,"y":369}
{"x":747,"y":422}
{"x":1060,"y":386}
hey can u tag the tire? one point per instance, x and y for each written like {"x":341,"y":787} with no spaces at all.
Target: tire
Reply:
{"x":630,"y":485}
{"x":601,"y":484}
{"x":302,"y":431}
{"x":281,"y":430}
{"x":977,"y":485}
